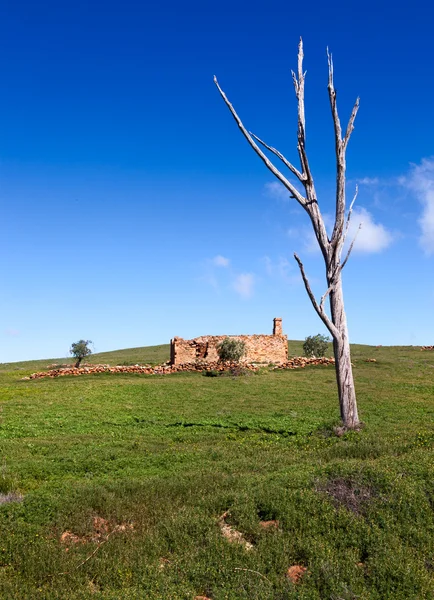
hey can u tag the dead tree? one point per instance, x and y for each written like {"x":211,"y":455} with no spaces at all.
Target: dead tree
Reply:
{"x":331,"y":247}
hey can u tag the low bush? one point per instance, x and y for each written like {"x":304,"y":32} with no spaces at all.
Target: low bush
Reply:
{"x":231,"y":350}
{"x":316,"y":345}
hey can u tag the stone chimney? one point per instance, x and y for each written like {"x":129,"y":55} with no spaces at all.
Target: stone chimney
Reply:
{"x":277,"y":326}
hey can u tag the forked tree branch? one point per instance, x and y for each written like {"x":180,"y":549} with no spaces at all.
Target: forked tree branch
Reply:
{"x":294,"y":170}
{"x":301,"y":133}
{"x":341,"y":144}
{"x":318,"y":308}
{"x":299,"y":197}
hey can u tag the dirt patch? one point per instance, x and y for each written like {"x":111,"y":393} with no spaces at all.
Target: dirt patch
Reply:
{"x":101,"y":531}
{"x":295,"y":573}
{"x":269,"y":525}
{"x":70,"y":539}
{"x":349,"y":494}
{"x":231,"y":534}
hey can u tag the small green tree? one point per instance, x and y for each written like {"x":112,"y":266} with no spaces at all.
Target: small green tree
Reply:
{"x":231,"y":350}
{"x":316,"y":345}
{"x":79,"y":350}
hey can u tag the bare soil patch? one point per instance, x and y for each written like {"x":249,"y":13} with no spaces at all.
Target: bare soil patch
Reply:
{"x":349,"y":494}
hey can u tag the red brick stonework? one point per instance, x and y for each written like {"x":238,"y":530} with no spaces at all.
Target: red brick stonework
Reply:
{"x":259,"y":348}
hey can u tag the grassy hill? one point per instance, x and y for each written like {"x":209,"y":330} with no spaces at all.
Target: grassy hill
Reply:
{"x":120,"y":482}
{"x":161,"y":353}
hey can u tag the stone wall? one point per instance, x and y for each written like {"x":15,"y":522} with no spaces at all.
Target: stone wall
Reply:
{"x":259,"y":348}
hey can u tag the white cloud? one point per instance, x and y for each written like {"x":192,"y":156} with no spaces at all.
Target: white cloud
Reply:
{"x":368,"y":181}
{"x":220,"y":261}
{"x":243,"y":284}
{"x":372,"y":237}
{"x":421,"y":182}
{"x":276,"y":190}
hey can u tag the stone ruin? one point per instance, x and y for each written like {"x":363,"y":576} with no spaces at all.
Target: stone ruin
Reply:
{"x":259,"y":348}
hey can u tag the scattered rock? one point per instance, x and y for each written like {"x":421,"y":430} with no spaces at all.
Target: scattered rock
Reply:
{"x":299,"y":362}
{"x":93,"y":588}
{"x":231,"y":534}
{"x":267,"y":525}
{"x":68,"y":537}
{"x":339,"y":431}
{"x":295,"y":573}
{"x":163,"y":563}
{"x":166,"y":368}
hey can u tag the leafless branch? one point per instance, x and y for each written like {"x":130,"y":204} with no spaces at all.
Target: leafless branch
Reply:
{"x":299,"y":92}
{"x":340,"y":146}
{"x":300,"y":199}
{"x":286,"y":162}
{"x":104,"y":541}
{"x":351,"y":247}
{"x":332,"y":96}
{"x":324,"y":296}
{"x":252,"y":571}
{"x":320,"y":311}
{"x":349,"y":214}
{"x":350,"y":126}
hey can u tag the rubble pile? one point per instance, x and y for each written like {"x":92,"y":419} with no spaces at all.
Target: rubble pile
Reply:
{"x":166,"y":368}
{"x":298,"y":362}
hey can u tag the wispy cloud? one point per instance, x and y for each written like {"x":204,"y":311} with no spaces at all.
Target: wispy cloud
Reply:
{"x":276,"y":190}
{"x":243,"y":284}
{"x":368,"y":181}
{"x":420,"y":181}
{"x":373,"y":237}
{"x":281,"y":269}
{"x":220,"y":261}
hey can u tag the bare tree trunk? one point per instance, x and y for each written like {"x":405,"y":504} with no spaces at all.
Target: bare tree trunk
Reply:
{"x":344,"y":371}
{"x":331,"y":247}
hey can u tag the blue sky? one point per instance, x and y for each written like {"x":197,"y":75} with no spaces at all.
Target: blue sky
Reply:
{"x":132,"y":208}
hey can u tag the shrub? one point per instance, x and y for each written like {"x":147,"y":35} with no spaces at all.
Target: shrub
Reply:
{"x":316,"y":345}
{"x":211,"y":373}
{"x":79,"y":350}
{"x":231,"y":350}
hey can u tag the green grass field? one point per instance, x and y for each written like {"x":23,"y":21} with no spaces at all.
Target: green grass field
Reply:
{"x":124,"y":477}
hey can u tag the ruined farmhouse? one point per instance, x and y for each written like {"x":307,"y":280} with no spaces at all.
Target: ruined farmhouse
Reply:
{"x":259,"y":348}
